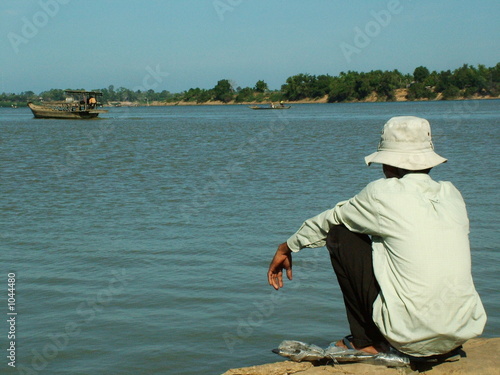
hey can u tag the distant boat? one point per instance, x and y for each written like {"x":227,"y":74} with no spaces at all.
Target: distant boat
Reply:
{"x":79,"y":104}
{"x":270,"y":107}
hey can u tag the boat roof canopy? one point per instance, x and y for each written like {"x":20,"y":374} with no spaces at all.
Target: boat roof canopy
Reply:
{"x":83,"y":92}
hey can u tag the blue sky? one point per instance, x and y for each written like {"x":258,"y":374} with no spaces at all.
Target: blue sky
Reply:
{"x":175,"y":45}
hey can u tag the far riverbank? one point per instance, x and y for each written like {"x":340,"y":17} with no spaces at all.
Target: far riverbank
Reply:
{"x":401,"y":95}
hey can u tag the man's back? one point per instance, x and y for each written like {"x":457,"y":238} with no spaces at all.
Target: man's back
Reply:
{"x":421,"y":259}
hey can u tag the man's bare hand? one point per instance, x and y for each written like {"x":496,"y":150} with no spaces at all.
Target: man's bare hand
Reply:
{"x":282,"y":260}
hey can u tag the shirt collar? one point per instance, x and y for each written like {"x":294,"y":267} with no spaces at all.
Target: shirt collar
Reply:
{"x":417,"y":176}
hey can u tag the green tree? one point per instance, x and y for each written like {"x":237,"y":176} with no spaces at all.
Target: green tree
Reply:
{"x":192,"y":95}
{"x":123,"y":94}
{"x":205,"y":96}
{"x":245,"y":95}
{"x":321,"y":86}
{"x":261,"y":86}
{"x":494,"y":80}
{"x":362,"y":86}
{"x":223,"y":91}
{"x":420,"y":74}
{"x":495,"y":73}
{"x":444,"y":80}
{"x":276,"y":96}
{"x":342,"y":88}
{"x":418,"y":90}
{"x":350,"y":86}
{"x":298,"y":87}
{"x":53,"y":95}
{"x":451,"y":92}
{"x":164,"y":95}
{"x":384,"y":83}
{"x":463,"y":77}
{"x":432,"y":79}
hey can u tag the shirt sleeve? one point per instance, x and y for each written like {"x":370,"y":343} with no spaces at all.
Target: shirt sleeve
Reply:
{"x":359,"y":214}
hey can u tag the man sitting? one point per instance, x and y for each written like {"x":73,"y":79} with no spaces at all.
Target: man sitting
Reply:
{"x":400,"y":250}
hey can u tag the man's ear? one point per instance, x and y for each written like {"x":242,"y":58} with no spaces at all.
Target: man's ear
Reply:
{"x":390,"y":171}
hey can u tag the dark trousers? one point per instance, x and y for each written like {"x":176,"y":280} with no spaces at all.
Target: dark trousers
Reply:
{"x":351,"y":256}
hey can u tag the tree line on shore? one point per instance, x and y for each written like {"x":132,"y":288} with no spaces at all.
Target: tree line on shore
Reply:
{"x":464,"y":82}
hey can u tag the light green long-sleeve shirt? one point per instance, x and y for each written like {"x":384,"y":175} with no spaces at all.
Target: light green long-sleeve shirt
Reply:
{"x":421,"y":258}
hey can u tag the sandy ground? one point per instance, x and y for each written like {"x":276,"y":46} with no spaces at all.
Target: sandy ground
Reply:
{"x":482,"y":358}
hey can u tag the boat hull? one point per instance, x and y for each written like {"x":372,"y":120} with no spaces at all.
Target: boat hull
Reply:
{"x":277,"y":107}
{"x":40,"y":111}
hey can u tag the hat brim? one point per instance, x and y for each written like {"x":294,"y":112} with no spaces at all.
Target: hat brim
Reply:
{"x":410,"y":161}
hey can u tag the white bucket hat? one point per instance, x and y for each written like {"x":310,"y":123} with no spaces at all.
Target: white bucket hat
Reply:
{"x":406,"y":143}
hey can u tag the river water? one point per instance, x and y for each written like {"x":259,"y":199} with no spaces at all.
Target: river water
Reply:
{"x":140,"y":241}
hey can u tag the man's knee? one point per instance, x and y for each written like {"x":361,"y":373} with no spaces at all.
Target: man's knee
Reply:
{"x":339,"y":236}
{"x":337,"y":230}
{"x":339,"y":233}
{"x":335,"y":237}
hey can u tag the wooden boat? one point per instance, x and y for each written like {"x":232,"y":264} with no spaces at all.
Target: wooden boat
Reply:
{"x":79,"y":104}
{"x":270,"y":107}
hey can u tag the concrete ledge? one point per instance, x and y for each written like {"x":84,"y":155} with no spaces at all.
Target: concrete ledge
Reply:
{"x":483,"y":358}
